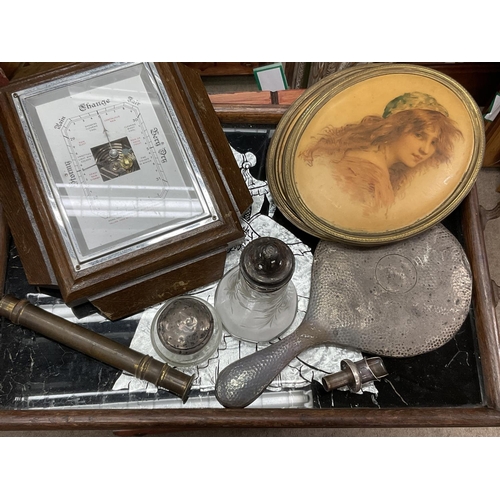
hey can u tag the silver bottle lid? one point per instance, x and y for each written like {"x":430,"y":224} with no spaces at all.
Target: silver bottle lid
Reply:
{"x":185,"y":325}
{"x":267,"y":264}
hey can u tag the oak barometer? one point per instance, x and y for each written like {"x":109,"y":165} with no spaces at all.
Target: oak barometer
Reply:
{"x":119,"y":185}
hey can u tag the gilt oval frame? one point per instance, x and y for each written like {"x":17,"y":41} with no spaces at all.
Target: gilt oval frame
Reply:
{"x":342,"y":98}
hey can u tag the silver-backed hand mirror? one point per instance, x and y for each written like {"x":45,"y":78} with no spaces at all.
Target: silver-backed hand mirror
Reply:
{"x":397,"y":300}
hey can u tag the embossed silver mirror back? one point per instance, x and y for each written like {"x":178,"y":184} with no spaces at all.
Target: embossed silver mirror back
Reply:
{"x":398,"y":300}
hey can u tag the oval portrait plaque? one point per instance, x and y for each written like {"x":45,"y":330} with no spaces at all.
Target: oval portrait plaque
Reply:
{"x":376,"y":154}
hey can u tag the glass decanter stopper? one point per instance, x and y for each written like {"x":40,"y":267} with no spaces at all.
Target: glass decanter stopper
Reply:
{"x":257,"y":301}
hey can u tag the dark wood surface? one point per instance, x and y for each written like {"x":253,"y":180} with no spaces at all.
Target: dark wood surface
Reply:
{"x":4,"y":247}
{"x":224,"y":68}
{"x":160,"y":421}
{"x":483,"y":299}
{"x":162,"y":285}
{"x":259,"y":114}
{"x":18,"y":213}
{"x":492,"y":152}
{"x":481,"y":79}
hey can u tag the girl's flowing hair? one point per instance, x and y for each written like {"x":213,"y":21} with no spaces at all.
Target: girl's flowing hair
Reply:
{"x":374,"y":131}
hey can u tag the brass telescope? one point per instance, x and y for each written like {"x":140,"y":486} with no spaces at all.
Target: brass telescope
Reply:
{"x":142,"y":366}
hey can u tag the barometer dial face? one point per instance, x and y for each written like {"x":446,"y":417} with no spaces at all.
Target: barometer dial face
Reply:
{"x":113,"y":161}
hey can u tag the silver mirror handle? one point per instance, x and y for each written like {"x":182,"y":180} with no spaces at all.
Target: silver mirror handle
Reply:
{"x":243,"y":381}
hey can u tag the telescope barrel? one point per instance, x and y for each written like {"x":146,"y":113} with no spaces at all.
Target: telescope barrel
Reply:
{"x":144,"y":367}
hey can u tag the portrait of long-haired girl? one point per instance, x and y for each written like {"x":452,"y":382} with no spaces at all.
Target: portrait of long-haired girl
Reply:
{"x":373,"y":161}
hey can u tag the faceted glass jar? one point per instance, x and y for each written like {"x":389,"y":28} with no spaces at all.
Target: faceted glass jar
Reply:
{"x":257,"y":301}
